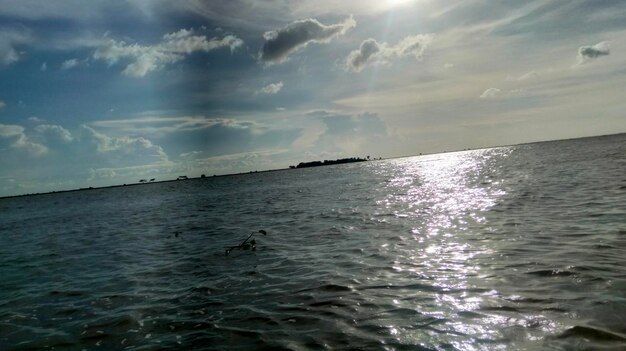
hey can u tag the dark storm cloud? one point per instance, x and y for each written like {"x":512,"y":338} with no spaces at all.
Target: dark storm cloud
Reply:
{"x":280,"y":43}
{"x":594,"y":51}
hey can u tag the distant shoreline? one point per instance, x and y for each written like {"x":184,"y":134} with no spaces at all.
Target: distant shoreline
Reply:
{"x":288,"y":169}
{"x":140,"y":183}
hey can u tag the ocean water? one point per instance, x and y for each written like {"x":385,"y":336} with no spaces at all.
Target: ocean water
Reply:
{"x":509,"y":248}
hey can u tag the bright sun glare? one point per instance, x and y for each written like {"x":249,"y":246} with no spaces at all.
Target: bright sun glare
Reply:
{"x":393,"y":3}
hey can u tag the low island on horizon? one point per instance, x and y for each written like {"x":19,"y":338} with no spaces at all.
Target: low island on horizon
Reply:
{"x":330,"y":162}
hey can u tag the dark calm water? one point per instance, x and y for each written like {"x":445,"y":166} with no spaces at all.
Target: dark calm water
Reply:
{"x":512,"y":248}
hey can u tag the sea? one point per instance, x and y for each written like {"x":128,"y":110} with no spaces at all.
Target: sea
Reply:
{"x":508,"y":248}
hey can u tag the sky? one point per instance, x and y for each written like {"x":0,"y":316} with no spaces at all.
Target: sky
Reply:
{"x":108,"y":92}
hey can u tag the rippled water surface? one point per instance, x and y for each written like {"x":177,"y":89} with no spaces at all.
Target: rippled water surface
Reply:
{"x":515,"y":248}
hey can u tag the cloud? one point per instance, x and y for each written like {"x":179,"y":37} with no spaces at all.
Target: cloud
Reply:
{"x":495,"y":93}
{"x":54,"y":132}
{"x":132,"y":173}
{"x":363,"y":124}
{"x":173,"y":48}
{"x":136,"y":146}
{"x":372,"y":52}
{"x":586,"y":53}
{"x":166,"y":125}
{"x":348,"y":134}
{"x":99,"y":150}
{"x":214,"y":136}
{"x":491,"y":93}
{"x":271,"y":88}
{"x":357,"y":58}
{"x":69,"y":63}
{"x":280,"y":43}
{"x":198,"y":162}
{"x":322,"y":113}
{"x":35,"y":119}
{"x":13,"y":136}
{"x":35,"y":9}
{"x":2,"y":104}
{"x":8,"y":40}
{"x":527,"y":76}
{"x":44,"y":66}
{"x":9,"y":130}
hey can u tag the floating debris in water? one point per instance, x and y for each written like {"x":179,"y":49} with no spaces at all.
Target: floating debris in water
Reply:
{"x":246,"y":245}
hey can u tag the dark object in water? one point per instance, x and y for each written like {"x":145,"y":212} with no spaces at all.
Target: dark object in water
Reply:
{"x":245,"y":245}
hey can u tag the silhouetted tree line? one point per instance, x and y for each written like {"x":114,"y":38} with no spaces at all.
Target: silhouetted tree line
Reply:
{"x":328,"y":162}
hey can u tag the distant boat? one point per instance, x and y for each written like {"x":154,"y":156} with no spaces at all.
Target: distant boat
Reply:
{"x":182,"y":178}
{"x":152,"y":179}
{"x":142,"y":181}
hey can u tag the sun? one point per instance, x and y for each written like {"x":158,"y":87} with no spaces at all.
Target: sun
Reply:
{"x":394,"y":3}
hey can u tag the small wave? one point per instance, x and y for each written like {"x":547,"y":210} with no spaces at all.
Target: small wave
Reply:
{"x":328,"y":287}
{"x":592,"y":333}
{"x":470,"y":314}
{"x":330,"y":303}
{"x":530,"y":300}
{"x":201,"y":290}
{"x":551,"y":273}
{"x":415,"y":286}
{"x":500,"y":308}
{"x":261,"y":320}
{"x":70,"y":293}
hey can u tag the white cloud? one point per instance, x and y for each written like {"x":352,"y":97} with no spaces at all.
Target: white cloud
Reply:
{"x":36,"y":149}
{"x":191,"y":154}
{"x":14,"y":137}
{"x":586,"y":53}
{"x":71,"y":63}
{"x":128,"y":145}
{"x":182,"y":33}
{"x":373,"y":52}
{"x":491,"y":93}
{"x":8,"y":40}
{"x":349,"y":133}
{"x":35,"y":119}
{"x":526,"y":76}
{"x":173,"y":48}
{"x":495,"y":93}
{"x":280,"y":43}
{"x":44,"y":66}
{"x":54,"y":132}
{"x":272,"y":88}
{"x":165,"y":125}
{"x":2,"y":104}
{"x":9,"y":130}
{"x":132,"y":173}
{"x":358,"y":58}
{"x":101,"y":173}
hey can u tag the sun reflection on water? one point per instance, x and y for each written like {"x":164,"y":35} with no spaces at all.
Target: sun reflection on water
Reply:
{"x":444,"y":197}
